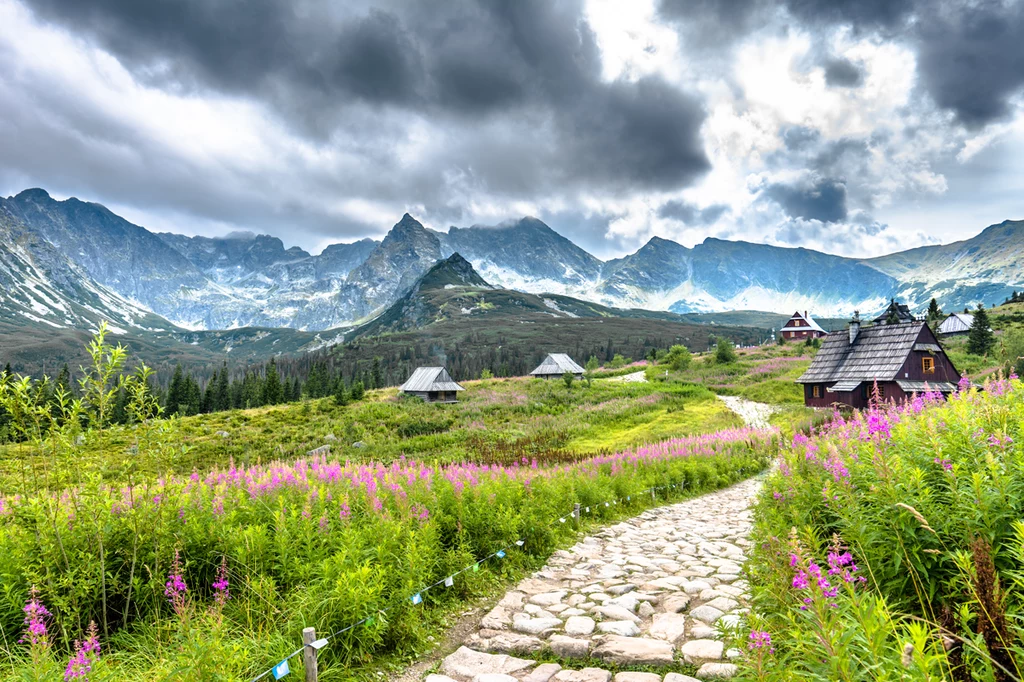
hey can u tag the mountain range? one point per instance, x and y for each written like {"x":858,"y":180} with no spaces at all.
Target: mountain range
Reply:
{"x":68,"y":263}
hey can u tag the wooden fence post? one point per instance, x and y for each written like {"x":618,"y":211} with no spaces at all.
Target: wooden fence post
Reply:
{"x":576,"y":514}
{"x":309,"y":654}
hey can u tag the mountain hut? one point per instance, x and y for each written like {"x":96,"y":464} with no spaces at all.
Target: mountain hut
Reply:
{"x":902,"y":359}
{"x":801,"y":327}
{"x":555,"y":365}
{"x":433,"y":384}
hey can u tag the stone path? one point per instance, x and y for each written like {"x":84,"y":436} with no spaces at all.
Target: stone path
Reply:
{"x":754,"y":414}
{"x":652,"y":591}
{"x":636,"y":377}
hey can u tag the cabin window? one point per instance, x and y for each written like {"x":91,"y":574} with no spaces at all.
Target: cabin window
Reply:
{"x":881,"y":391}
{"x":815,"y":391}
{"x":865,"y":391}
{"x":928,"y":365}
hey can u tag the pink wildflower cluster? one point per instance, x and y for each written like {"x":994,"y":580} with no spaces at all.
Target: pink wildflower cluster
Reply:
{"x":35,"y":621}
{"x":840,"y":565}
{"x":759,"y":639}
{"x":87,"y":652}
{"x":221,"y":587}
{"x":175,"y":588}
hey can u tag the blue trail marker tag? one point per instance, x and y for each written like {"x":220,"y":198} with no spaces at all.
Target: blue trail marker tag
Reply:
{"x":500,"y":554}
{"x":417,"y":599}
{"x":281,"y":669}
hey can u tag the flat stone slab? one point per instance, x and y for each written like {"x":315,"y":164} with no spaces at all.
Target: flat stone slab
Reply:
{"x":585,"y":675}
{"x":579,"y":625}
{"x":637,"y":677}
{"x":468,"y":663}
{"x":716,"y":671}
{"x":668,"y":626}
{"x":702,"y":650}
{"x":634,"y":651}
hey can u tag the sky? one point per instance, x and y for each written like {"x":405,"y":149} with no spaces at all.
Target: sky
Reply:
{"x":855,"y":127}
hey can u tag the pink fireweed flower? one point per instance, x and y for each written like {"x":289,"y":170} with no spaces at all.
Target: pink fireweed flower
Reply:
{"x":35,"y":621}
{"x":175,"y":587}
{"x":944,"y":463}
{"x":87,"y":652}
{"x":221,"y":587}
{"x":759,"y":639}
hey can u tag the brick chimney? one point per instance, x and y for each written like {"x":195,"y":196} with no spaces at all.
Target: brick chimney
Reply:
{"x":854,"y":326}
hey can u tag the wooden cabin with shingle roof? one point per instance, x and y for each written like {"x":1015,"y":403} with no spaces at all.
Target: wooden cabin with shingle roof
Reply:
{"x":555,"y":365}
{"x":801,"y":327}
{"x":903,"y":359}
{"x":433,"y":384}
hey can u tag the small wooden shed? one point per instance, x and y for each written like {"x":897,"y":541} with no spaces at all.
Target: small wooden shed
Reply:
{"x":555,"y":365}
{"x":433,"y":384}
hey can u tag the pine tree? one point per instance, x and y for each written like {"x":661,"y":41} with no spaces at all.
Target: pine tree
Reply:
{"x":357,"y":390}
{"x":286,"y":391}
{"x":296,"y":389}
{"x":176,"y":392}
{"x":378,"y":381}
{"x":933,"y":310}
{"x":7,"y":370}
{"x":252,"y":391}
{"x":341,"y":395}
{"x":272,"y":385}
{"x":193,"y":396}
{"x":222,"y":394}
{"x":981,"y":340}
{"x":207,"y":404}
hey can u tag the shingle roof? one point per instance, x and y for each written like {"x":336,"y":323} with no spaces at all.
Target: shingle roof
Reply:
{"x":902,"y":312}
{"x":557,"y":363}
{"x":878,"y":353}
{"x":925,"y":386}
{"x":811,"y":324}
{"x":430,"y":379}
{"x":956,"y":322}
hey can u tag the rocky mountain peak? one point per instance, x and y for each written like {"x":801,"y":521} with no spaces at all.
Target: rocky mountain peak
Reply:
{"x":452,"y":271}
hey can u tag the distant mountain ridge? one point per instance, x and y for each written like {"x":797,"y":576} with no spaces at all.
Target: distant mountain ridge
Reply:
{"x":246,"y":280}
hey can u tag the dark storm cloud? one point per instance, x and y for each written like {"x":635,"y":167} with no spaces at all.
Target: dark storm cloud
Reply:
{"x":823,"y":200}
{"x":460,"y":64}
{"x":843,"y":73}
{"x":971,"y":59}
{"x":691,"y":215}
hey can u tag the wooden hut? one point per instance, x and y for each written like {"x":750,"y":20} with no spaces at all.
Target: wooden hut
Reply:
{"x":555,"y":365}
{"x":902,"y":359}
{"x":956,"y":323}
{"x":801,"y":327}
{"x":433,"y":384}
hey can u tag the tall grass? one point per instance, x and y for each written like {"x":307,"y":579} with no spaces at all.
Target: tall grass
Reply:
{"x":890,"y":545}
